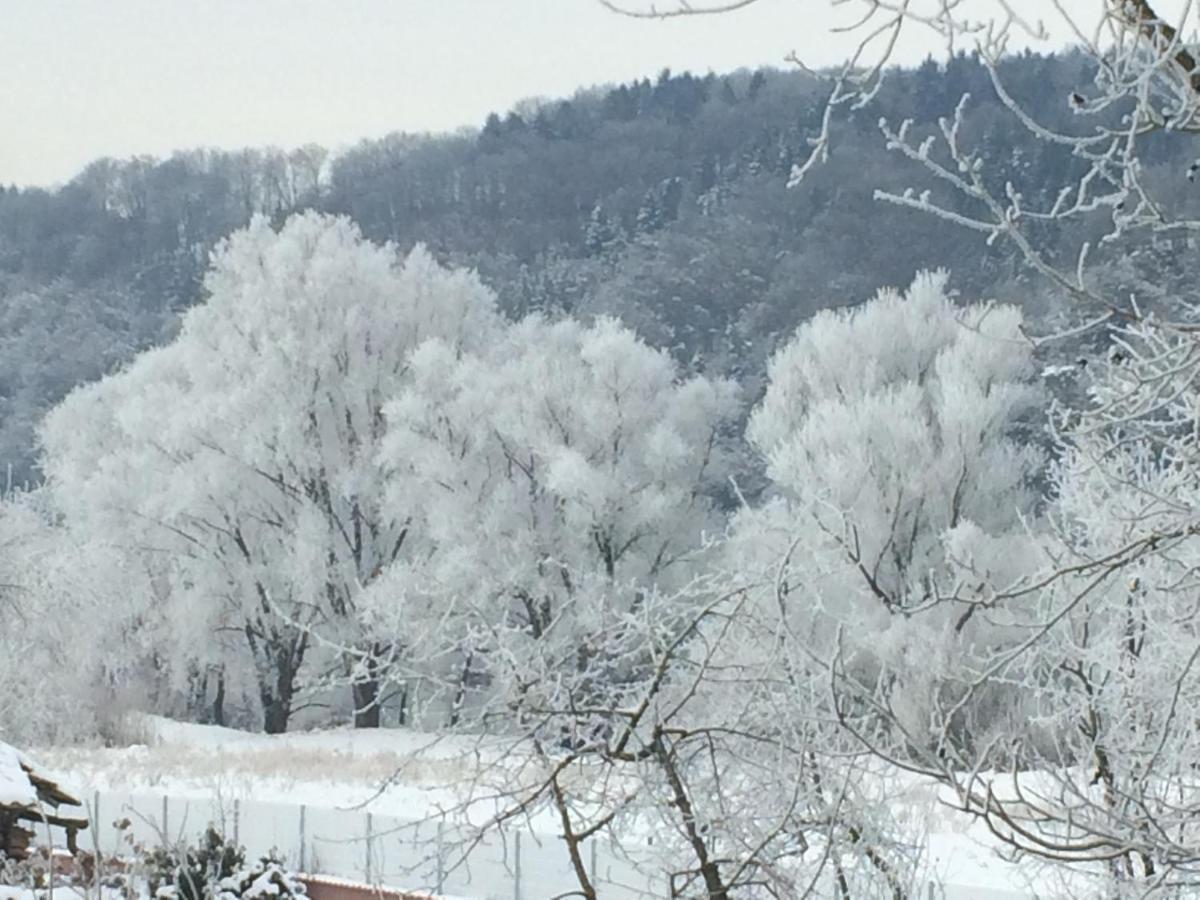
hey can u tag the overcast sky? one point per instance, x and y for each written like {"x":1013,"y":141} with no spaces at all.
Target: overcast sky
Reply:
{"x":90,"y":78}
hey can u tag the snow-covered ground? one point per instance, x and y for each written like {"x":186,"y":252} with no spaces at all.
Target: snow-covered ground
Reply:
{"x":62,"y":892}
{"x":387,"y":772}
{"x":353,"y":783}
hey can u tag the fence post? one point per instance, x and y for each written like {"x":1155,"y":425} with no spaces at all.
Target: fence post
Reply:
{"x":95,"y":823}
{"x":94,"y":814}
{"x":594,"y":866}
{"x":517,"y":868}
{"x":302,"y":811}
{"x":441,"y":869}
{"x":166,"y":828}
{"x":369,"y":848}
{"x":237,"y":817}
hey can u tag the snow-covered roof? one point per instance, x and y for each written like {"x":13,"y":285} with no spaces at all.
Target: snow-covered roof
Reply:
{"x":15,"y":787}
{"x":24,"y":783}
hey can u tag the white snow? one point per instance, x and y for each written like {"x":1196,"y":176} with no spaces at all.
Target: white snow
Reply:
{"x":1064,"y":369}
{"x":411,"y":775}
{"x":393,"y":772}
{"x":15,"y":788}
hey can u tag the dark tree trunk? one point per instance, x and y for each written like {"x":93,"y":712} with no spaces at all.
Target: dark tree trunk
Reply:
{"x":276,"y":712}
{"x":366,"y":688}
{"x":708,"y":867}
{"x":277,"y":685}
{"x":277,"y":700}
{"x":460,"y":695}
{"x":218,"y":706}
{"x":366,"y":703}
{"x":402,"y":709}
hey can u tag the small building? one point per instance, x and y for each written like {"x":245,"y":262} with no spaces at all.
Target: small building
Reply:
{"x":28,"y":798}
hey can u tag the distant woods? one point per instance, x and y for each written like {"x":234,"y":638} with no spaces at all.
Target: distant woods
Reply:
{"x":662,"y":201}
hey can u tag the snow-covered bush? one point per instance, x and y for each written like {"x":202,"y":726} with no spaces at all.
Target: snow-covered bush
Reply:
{"x":215,"y":869}
{"x":267,"y":879}
{"x":192,"y":872}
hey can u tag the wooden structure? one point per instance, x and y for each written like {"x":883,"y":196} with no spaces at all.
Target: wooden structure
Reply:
{"x":28,"y":798}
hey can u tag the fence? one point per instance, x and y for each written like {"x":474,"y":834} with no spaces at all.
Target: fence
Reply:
{"x":386,"y":851}
{"x":370,"y":848}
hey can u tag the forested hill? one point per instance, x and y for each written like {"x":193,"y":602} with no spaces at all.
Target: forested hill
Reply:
{"x":660,"y":201}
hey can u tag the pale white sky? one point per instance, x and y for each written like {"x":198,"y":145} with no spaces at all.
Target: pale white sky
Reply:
{"x":90,"y":78}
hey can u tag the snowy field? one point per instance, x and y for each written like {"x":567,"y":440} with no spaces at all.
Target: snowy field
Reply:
{"x":364,"y":805}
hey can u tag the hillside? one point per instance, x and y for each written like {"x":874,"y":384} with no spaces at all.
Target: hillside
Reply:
{"x":662,"y":202}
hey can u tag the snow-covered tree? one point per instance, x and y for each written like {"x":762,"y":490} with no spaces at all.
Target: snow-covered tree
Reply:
{"x":708,"y":743}
{"x":244,"y":452}
{"x":602,"y":234}
{"x":1101,"y":769}
{"x":562,"y":473}
{"x":76,"y":647}
{"x":27,"y":664}
{"x":896,"y":435}
{"x":1111,"y":645}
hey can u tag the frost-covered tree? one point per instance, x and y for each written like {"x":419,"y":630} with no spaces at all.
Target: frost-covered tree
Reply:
{"x":1110,"y":649}
{"x":30,"y":668}
{"x":77,"y":644}
{"x":888,"y":425}
{"x":245,"y":452}
{"x":1100,"y":772}
{"x":562,"y":473}
{"x":746,"y":787}
{"x":897,"y":435}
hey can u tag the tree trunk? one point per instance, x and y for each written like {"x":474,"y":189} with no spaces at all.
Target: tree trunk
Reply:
{"x":708,"y":867}
{"x":365,"y":689}
{"x":276,"y":712}
{"x":366,"y":703}
{"x":402,"y":717}
{"x":277,"y":698}
{"x":278,"y":656}
{"x":460,"y":695}
{"x":218,"y":705}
